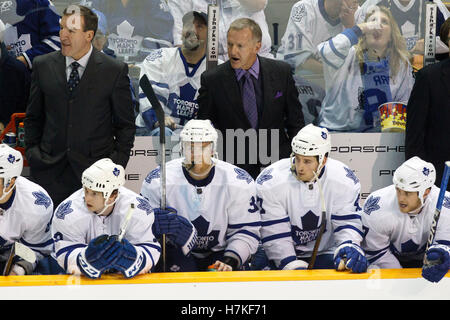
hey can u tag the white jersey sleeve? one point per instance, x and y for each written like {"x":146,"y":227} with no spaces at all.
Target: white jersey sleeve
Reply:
{"x":379,"y":225}
{"x":26,"y":218}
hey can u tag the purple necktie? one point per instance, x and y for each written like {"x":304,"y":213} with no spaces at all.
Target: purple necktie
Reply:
{"x":249,"y":100}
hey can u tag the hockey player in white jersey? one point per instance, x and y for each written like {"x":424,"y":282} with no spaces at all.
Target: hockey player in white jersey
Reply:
{"x":25,"y":212}
{"x":105,"y":227}
{"x":397,"y":221}
{"x":310,"y":23}
{"x":175,"y":76}
{"x":364,"y":67}
{"x":293,"y":192}
{"x":217,"y":197}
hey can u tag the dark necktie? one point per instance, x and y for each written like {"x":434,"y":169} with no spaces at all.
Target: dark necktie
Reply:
{"x":249,"y":100}
{"x":74,"y":77}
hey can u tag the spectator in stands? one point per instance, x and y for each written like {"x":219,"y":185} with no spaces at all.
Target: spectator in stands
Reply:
{"x":428,"y":110}
{"x":32,"y":28}
{"x":135,"y":26}
{"x":310,"y":23}
{"x":364,"y":67}
{"x":230,"y":11}
{"x":14,"y":84}
{"x":175,"y":75}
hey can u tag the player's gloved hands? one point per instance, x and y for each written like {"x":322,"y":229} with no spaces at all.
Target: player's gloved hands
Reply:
{"x":179,"y":229}
{"x":99,"y":256}
{"x":129,"y":262}
{"x":438,"y":257}
{"x":296,"y":265}
{"x":349,"y":256}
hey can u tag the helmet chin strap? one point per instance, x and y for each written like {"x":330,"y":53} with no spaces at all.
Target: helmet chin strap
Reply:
{"x":5,"y":193}
{"x":107,"y":206}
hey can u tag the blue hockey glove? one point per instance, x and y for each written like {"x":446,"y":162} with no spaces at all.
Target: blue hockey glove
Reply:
{"x":100,"y":255}
{"x":438,"y":257}
{"x":349,"y":256}
{"x":129,"y":263}
{"x":179,"y":229}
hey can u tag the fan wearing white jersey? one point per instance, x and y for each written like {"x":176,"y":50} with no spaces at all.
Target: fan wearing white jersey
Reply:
{"x":25,"y":213}
{"x":105,"y":227}
{"x":293,"y":192}
{"x":397,"y":221}
{"x":364,"y":66}
{"x":217,"y":197}
{"x":310,"y":23}
{"x":175,"y":76}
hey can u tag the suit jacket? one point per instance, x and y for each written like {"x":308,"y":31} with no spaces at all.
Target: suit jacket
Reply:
{"x":94,"y":122}
{"x":428,"y":116}
{"x":220,"y":101}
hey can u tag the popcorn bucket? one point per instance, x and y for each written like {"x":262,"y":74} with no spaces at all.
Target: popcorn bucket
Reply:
{"x":393,"y":116}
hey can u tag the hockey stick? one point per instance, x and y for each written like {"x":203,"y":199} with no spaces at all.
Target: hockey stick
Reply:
{"x":437,"y":211}
{"x":156,"y":105}
{"x":21,"y":251}
{"x":322,"y":226}
{"x":123,"y":227}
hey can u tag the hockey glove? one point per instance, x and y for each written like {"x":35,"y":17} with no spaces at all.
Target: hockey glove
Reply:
{"x":130,"y":262}
{"x":179,"y":229}
{"x":438,"y":257}
{"x":99,"y":256}
{"x":349,"y":256}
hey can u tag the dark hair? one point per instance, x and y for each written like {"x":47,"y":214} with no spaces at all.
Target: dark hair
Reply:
{"x":89,"y":17}
{"x":445,"y":29}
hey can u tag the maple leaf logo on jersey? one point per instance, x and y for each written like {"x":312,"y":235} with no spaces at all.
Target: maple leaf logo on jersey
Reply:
{"x":153,"y":55}
{"x":124,"y":44}
{"x":298,"y":13}
{"x":265,"y":176}
{"x":144,"y":205}
{"x":64,"y":209}
{"x":154,"y":174}
{"x":243,"y":175}
{"x":371,"y":205}
{"x":205,"y":240}
{"x":350,"y":174}
{"x":310,"y":229}
{"x":42,"y":199}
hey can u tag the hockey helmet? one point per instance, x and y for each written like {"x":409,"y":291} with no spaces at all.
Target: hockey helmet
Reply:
{"x":312,"y":141}
{"x":104,"y":176}
{"x":199,"y":131}
{"x":11,"y":163}
{"x":415,"y":174}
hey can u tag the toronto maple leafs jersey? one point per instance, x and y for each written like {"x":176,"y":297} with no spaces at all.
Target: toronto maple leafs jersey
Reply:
{"x":291,"y":211}
{"x":74,"y":226}
{"x":230,"y":10}
{"x":222,"y":207}
{"x":391,"y":235}
{"x":137,"y":28}
{"x":32,"y":28}
{"x":26,"y":218}
{"x":308,"y":26}
{"x":348,"y":93}
{"x":175,"y":83}
{"x":311,"y":96}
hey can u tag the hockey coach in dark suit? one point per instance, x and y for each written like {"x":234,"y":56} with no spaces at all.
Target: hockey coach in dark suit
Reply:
{"x":251,"y":92}
{"x":80,"y":108}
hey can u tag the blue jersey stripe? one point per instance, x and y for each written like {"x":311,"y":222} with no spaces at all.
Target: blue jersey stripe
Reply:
{"x":272,"y":222}
{"x":276,"y":236}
